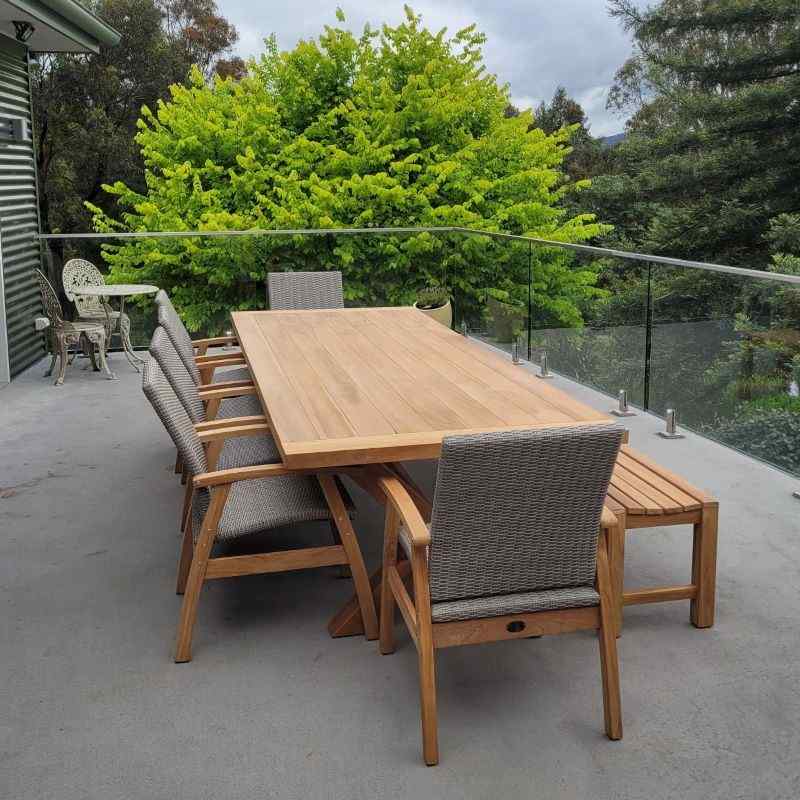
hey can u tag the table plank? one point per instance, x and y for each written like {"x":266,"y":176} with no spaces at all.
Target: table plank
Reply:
{"x":360,"y":386}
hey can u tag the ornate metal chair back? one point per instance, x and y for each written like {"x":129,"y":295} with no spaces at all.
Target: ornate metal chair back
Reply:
{"x":78,"y":272}
{"x":52,"y":305}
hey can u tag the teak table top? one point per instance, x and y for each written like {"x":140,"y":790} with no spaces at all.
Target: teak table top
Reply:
{"x":370,"y":385}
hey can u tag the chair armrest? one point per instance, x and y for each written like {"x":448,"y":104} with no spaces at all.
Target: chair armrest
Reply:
{"x":407,"y":510}
{"x":215,"y":434}
{"x":220,"y":394}
{"x":226,"y":476}
{"x":223,"y":385}
{"x":230,"y":422}
{"x":215,"y":341}
{"x":220,"y":360}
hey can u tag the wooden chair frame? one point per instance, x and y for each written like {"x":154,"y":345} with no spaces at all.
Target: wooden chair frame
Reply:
{"x":196,"y":564}
{"x":429,"y":636}
{"x":202,"y":345}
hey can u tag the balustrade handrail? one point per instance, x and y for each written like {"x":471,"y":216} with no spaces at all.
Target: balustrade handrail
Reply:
{"x":743,"y":272}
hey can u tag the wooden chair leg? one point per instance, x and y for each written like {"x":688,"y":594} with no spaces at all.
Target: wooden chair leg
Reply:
{"x":609,"y":662}
{"x":427,"y":691}
{"x":704,"y":567}
{"x":186,"y":511}
{"x":197,"y":572}
{"x":187,"y":547}
{"x":351,"y":547}
{"x":178,"y":464}
{"x":387,"y":596}
{"x":426,"y":658}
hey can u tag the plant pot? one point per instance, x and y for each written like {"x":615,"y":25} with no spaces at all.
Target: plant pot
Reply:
{"x":443,"y":314}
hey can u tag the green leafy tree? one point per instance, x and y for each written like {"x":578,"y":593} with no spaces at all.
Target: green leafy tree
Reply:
{"x":87,"y":106}
{"x":711,"y":152}
{"x":397,"y":127}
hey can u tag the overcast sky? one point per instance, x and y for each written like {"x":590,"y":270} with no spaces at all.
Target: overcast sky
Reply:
{"x":533,"y":45}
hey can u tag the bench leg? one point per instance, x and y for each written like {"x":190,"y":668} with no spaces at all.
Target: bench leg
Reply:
{"x":616,"y":557}
{"x":704,"y":567}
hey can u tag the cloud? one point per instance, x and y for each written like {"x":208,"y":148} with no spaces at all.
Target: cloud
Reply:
{"x":532,"y":45}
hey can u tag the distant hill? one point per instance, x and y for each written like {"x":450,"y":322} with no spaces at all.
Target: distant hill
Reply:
{"x":612,"y":141}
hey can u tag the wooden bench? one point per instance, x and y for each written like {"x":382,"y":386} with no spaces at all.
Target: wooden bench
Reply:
{"x":644,"y":495}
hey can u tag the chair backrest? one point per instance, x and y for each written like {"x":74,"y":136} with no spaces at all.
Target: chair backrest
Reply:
{"x":519,"y":511}
{"x":298,"y":290}
{"x":50,"y":301}
{"x":169,"y":319}
{"x":171,"y":412}
{"x":78,"y":272}
{"x":164,"y":352}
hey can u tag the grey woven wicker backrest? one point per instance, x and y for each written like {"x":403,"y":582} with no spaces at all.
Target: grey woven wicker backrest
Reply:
{"x":171,"y":412}
{"x":164,"y":352}
{"x":519,"y":511}
{"x":169,"y":320}
{"x":297,"y":290}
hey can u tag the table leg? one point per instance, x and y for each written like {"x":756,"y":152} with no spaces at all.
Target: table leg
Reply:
{"x":124,"y":335}
{"x":347,"y":621}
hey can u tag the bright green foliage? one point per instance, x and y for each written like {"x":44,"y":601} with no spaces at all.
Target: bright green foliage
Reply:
{"x":400,"y":127}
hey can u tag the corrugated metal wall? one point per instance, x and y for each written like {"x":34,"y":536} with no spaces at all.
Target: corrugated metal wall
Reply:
{"x":18,"y":215}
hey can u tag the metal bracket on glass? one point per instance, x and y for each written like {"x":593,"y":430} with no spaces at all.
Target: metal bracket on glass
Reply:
{"x":671,"y":431}
{"x":796,"y":494}
{"x":515,"y":352}
{"x":544,"y":370}
{"x":623,"y":410}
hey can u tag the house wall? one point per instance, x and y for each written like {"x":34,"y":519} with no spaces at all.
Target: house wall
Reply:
{"x":21,"y":345}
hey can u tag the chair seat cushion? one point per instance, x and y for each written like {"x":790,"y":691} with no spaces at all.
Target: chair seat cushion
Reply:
{"x":247,"y":451}
{"x":267,"y":503}
{"x":83,"y":326}
{"x":246,"y":405}
{"x":99,"y":314}
{"x":229,"y":374}
{"x":525,"y":602}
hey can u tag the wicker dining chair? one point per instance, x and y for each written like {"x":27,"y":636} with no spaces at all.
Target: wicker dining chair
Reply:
{"x":86,"y":333}
{"x":517,"y":547}
{"x":78,"y":272}
{"x":231,"y":503}
{"x":305,"y":290}
{"x":194,"y":353}
{"x":207,"y":407}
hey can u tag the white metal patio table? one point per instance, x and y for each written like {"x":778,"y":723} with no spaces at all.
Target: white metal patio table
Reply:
{"x":120,"y":290}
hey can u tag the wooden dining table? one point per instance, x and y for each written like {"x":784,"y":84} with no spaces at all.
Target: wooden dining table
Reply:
{"x":343,"y":388}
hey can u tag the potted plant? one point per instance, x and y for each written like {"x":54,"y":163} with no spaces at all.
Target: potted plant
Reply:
{"x":434,"y":301}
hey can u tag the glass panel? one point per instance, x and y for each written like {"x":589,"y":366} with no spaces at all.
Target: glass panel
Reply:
{"x":494,"y":297}
{"x":726,"y":357}
{"x":589,"y":315}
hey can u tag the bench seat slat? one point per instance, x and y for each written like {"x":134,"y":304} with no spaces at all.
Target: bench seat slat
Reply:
{"x":663,"y":500}
{"x":661,"y":484}
{"x":628,"y":503}
{"x":628,"y":484}
{"x":700,"y":496}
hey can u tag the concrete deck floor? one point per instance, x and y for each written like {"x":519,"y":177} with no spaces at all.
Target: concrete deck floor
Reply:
{"x":94,"y":707}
